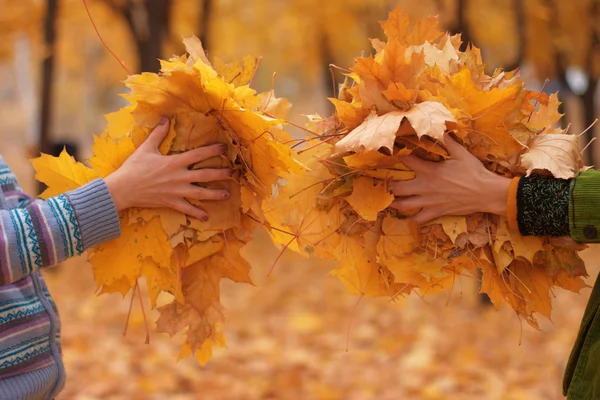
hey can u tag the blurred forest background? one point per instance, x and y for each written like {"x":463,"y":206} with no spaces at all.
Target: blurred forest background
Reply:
{"x":287,"y":336}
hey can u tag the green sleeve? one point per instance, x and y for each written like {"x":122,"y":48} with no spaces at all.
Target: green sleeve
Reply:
{"x":584,"y":207}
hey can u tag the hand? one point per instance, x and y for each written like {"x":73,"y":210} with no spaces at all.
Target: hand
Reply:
{"x":458,"y":186}
{"x":148,"y":179}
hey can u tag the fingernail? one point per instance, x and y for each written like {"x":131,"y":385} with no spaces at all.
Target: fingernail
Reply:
{"x":230,"y":172}
{"x":163,"y":120}
{"x":225,"y":195}
{"x":223,"y":147}
{"x":204,"y":218}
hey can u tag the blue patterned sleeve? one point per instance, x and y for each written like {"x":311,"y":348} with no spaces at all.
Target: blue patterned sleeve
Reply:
{"x":45,"y":233}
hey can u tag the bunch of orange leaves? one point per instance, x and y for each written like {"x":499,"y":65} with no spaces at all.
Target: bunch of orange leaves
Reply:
{"x":182,"y":256}
{"x":417,"y":87}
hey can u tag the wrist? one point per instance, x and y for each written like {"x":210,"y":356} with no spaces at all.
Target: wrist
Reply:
{"x":495,"y":194}
{"x":118,"y":192}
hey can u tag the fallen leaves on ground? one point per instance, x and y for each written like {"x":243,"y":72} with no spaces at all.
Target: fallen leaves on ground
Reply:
{"x":291,"y":343}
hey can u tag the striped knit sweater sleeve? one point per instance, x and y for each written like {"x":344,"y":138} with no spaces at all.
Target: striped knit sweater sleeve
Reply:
{"x":44,"y":233}
{"x":35,"y":234}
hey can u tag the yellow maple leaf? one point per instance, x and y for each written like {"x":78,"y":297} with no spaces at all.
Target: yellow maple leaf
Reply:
{"x":124,"y":256}
{"x":109,"y":153}
{"x":453,"y":226}
{"x":399,"y":237}
{"x":359,"y":271}
{"x":61,"y":174}
{"x":369,"y":200}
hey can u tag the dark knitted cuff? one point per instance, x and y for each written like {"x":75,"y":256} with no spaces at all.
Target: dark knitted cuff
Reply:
{"x":96,"y":213}
{"x":543,"y":206}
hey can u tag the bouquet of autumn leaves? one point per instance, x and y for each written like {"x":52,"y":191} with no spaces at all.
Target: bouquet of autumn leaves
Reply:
{"x":177,"y":254}
{"x":415,"y":89}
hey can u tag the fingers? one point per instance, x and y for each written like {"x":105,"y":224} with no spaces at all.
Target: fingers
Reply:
{"x":415,"y":163}
{"x":405,"y":188}
{"x":200,"y":154}
{"x":455,"y":149}
{"x":200,"y":193}
{"x":210,"y":174}
{"x":158,"y":134}
{"x":408,"y":204}
{"x":186,"y":208}
{"x":426,"y":215}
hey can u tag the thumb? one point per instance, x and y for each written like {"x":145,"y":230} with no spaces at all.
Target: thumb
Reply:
{"x":158,"y":134}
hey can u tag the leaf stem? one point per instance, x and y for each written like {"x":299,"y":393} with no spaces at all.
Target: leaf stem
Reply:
{"x":121,"y":62}
{"x":139,"y":293}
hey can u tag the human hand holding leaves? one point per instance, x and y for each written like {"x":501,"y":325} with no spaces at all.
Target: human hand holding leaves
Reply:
{"x":148,"y":179}
{"x":460,"y":185}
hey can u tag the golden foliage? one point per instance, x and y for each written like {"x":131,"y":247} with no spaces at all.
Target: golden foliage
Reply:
{"x":173,"y":252}
{"x":416,"y":87}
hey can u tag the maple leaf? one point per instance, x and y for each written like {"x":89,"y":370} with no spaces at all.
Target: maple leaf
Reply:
{"x":61,"y":174}
{"x":560,"y":255}
{"x":399,"y":237}
{"x":171,"y":220}
{"x":109,"y":154}
{"x":360,"y":273}
{"x":533,"y":283}
{"x":522,"y":246}
{"x":204,"y":353}
{"x":546,"y":116}
{"x":487,"y":110}
{"x":201,"y":328}
{"x":194,"y":47}
{"x":349,"y":114}
{"x":493,"y":284}
{"x":296,"y":223}
{"x":399,"y":95}
{"x":160,"y":279}
{"x":124,"y":256}
{"x":369,"y":200}
{"x":278,"y":107}
{"x":374,"y":75}
{"x":442,"y":58}
{"x":567,"y":282}
{"x":427,"y":118}
{"x":397,"y":26}
{"x":236,"y":72}
{"x":556,"y":153}
{"x":453,"y":226}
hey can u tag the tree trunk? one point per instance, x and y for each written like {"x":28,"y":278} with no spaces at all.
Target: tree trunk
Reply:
{"x":520,"y":26}
{"x":204,"y":29}
{"x":588,"y":98}
{"x":326,"y":79}
{"x":48,"y":74}
{"x":149,"y":22}
{"x":462,"y":25}
{"x":588,"y":103}
{"x":47,"y":79}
